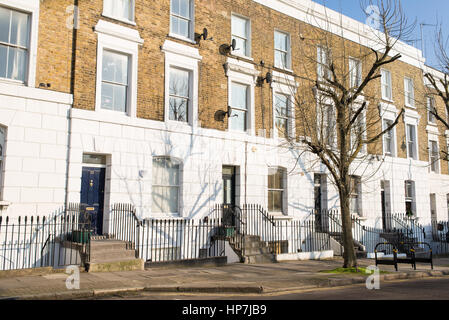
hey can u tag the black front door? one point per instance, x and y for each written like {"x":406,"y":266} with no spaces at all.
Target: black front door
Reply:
{"x":229,"y":186}
{"x":318,"y":201}
{"x":92,"y":196}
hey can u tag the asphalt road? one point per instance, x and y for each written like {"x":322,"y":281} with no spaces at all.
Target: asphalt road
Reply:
{"x":423,"y":289}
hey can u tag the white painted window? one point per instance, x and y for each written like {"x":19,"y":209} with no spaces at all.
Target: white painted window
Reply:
{"x":389,"y":138}
{"x":355,"y":72}
{"x":434,"y":156}
{"x":238,"y":120}
{"x":2,"y":157}
{"x":165,"y":185}
{"x":409,"y":196}
{"x":412,"y":151}
{"x":14,"y":44}
{"x":281,"y":114}
{"x":328,"y":125}
{"x":119,"y":9}
{"x":180,"y":101}
{"x":354,"y":196}
{"x":276,"y":190}
{"x":282,"y":50}
{"x":241,"y":32}
{"x":409,"y":92}
{"x":114,"y":81}
{"x":431,"y":108}
{"x":323,"y":63}
{"x":117,"y":61}
{"x":387,"y":89}
{"x":181,"y":18}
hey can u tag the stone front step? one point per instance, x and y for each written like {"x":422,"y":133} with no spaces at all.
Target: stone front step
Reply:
{"x":115,"y":265}
{"x":112,"y":255}
{"x":259,"y":258}
{"x":254,"y":250}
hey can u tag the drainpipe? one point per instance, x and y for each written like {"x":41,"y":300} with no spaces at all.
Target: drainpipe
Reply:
{"x":72,"y":92}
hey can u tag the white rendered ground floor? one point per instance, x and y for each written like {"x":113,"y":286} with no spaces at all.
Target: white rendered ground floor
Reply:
{"x":48,"y":145}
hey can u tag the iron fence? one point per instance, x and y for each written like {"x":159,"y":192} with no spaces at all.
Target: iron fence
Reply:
{"x":41,"y":241}
{"x":440,"y":237}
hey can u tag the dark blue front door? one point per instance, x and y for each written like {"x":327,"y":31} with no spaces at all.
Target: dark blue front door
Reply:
{"x":92,"y":196}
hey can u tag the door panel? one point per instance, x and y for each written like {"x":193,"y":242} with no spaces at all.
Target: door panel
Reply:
{"x":92,"y":196}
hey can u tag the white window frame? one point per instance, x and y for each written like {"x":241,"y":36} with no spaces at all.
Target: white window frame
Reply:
{"x":2,"y":161}
{"x":191,"y":36}
{"x":361,"y":119}
{"x":122,"y":40}
{"x":430,"y":102}
{"x":434,"y":138}
{"x":392,"y":134}
{"x":284,"y":85}
{"x":411,"y":117}
{"x":122,"y":19}
{"x":180,"y":188}
{"x":248,"y":54}
{"x":284,"y":190}
{"x":188,"y":98}
{"x":411,"y":199}
{"x":243,"y":73}
{"x":389,"y":85}
{"x":323,"y":65}
{"x":409,"y":95}
{"x":415,"y":149}
{"x":321,"y":102}
{"x":288,"y":67}
{"x":30,"y":7}
{"x":356,"y":194}
{"x":358,"y":69}
{"x":181,"y":56}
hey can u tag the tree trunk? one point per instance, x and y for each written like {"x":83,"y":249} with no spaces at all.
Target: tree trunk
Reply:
{"x":350,"y":259}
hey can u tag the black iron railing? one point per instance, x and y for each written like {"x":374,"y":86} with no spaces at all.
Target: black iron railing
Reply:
{"x":41,"y":241}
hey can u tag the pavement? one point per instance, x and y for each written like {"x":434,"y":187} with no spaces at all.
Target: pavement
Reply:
{"x":241,"y":279}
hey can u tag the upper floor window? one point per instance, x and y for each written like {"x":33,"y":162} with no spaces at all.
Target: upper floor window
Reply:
{"x":354,"y":197}
{"x":119,"y":9}
{"x":179,"y":102}
{"x":239,"y":104}
{"x":14,"y":44}
{"x":323,"y":64}
{"x":281,"y":111}
{"x":431,"y":110}
{"x":411,"y":142}
{"x":328,"y":126}
{"x":165,"y":185}
{"x":281,"y":50}
{"x":389,"y":143}
{"x":181,"y":20}
{"x":409,"y":92}
{"x":434,"y":156}
{"x":355,"y":72}
{"x":240,"y":32}
{"x":114,"y":81}
{"x":275,"y":189}
{"x":387,"y":90}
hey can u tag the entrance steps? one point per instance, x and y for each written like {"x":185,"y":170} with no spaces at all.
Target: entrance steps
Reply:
{"x":112,"y":255}
{"x":252,"y":250}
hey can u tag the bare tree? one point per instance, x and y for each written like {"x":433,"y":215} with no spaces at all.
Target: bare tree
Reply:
{"x":440,"y":84}
{"x":339,"y":118}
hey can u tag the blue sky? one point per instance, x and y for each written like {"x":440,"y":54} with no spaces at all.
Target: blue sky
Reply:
{"x":425,"y":11}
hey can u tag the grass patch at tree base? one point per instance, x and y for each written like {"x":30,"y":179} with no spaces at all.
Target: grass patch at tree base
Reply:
{"x":359,"y":270}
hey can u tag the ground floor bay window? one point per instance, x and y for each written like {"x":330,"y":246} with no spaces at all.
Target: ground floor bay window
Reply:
{"x":165,"y":192}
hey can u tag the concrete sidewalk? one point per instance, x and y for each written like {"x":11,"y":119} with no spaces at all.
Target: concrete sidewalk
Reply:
{"x":231,"y":279}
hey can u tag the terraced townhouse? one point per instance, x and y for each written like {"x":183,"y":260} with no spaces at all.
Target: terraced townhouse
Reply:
{"x":127,"y":101}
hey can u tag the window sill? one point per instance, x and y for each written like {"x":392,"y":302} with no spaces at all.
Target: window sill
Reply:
{"x":410,"y":106}
{"x":242,"y":56}
{"x":178,"y":37}
{"x":288,"y":70}
{"x":4,"y":204}
{"x":11,"y":81}
{"x":388,"y":100}
{"x":120,"y":19}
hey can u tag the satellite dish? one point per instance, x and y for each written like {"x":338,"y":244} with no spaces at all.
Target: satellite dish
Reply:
{"x":205,"y":33}
{"x":233,"y":44}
